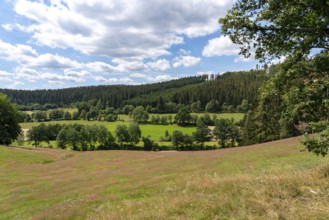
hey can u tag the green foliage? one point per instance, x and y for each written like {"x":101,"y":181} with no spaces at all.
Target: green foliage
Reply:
{"x":225,"y":130}
{"x":276,"y":28}
{"x":183,"y":116}
{"x":9,"y":119}
{"x":127,"y":109}
{"x":135,"y":133}
{"x":161,"y":107}
{"x":149,"y":144}
{"x":295,"y":96}
{"x":177,"y":138}
{"x":203,"y":133}
{"x":67,"y":116}
{"x":212,"y":106}
{"x":231,"y":87}
{"x":84,"y":137}
{"x":244,"y":106}
{"x":38,"y":134}
{"x":39,"y":116}
{"x":140,"y":115}
{"x":317,"y":145}
{"x":122,"y":134}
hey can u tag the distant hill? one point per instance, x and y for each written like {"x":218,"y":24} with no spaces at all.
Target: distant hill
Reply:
{"x":230,"y":88}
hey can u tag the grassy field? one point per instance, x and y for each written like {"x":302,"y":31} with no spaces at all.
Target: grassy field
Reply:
{"x":267,"y":181}
{"x":154,"y":131}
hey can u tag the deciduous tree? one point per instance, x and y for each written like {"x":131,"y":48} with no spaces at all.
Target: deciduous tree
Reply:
{"x":9,"y":121}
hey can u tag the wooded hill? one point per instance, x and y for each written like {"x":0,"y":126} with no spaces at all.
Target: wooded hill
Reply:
{"x":230,"y":88}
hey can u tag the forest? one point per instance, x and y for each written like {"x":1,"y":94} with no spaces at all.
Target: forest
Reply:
{"x":230,"y":88}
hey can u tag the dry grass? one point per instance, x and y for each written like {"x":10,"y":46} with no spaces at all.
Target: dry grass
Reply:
{"x":268,"y":181}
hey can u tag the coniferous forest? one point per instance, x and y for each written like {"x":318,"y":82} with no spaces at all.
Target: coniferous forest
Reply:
{"x":229,"y":88}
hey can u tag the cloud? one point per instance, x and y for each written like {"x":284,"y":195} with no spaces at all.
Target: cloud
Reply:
{"x":221,"y":46}
{"x":100,"y":67}
{"x":24,"y":73}
{"x":51,"y":61}
{"x":27,"y":56}
{"x":125,"y":66}
{"x":186,"y":61}
{"x":161,"y":64}
{"x":184,"y":52}
{"x":244,"y":59}
{"x":69,"y":75}
{"x":113,"y":79}
{"x":8,"y":27}
{"x":5,"y":76}
{"x":139,"y":75}
{"x":18,"y":52}
{"x":131,"y":29}
{"x":161,"y":78}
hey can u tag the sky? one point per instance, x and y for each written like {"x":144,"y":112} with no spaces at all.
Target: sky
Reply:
{"x":52,"y":44}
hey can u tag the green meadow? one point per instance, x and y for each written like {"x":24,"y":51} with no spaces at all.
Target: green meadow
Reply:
{"x":152,"y":130}
{"x":275,"y":180}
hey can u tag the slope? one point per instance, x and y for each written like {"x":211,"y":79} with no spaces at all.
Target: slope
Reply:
{"x":266,"y":181}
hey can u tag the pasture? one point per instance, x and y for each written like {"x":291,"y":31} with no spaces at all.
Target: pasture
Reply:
{"x":275,"y":180}
{"x":155,"y":131}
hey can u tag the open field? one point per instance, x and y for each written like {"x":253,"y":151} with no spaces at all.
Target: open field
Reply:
{"x":267,"y":181}
{"x":154,"y":131}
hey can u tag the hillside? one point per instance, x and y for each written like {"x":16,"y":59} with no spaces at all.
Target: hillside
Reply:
{"x":230,"y":88}
{"x":274,"y":180}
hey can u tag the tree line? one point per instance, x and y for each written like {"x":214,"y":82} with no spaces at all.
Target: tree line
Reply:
{"x":227,"y":91}
{"x":97,"y":137}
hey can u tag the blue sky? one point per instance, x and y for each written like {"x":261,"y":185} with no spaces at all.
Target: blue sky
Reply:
{"x":50,"y":44}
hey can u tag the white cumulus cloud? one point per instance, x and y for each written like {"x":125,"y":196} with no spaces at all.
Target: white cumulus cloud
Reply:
{"x":134,"y":29}
{"x":186,"y":61}
{"x":161,"y":64}
{"x":221,"y":46}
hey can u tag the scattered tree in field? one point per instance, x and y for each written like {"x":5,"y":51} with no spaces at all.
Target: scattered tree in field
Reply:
{"x":68,"y":137}
{"x":135,"y":133}
{"x":127,"y":109}
{"x":75,"y":115}
{"x":149,"y":144}
{"x":140,"y":115}
{"x":39,"y":116}
{"x":177,"y":138}
{"x":38,"y":134}
{"x":84,"y":137}
{"x":122,"y":134}
{"x":83,"y":114}
{"x":56,"y":114}
{"x":222,"y":131}
{"x":212,"y":106}
{"x":67,"y":116}
{"x":196,"y":106}
{"x":9,"y":121}
{"x":111,"y":117}
{"x":109,"y":142}
{"x":206,"y":119}
{"x":202,"y":133}
{"x":183,"y":116}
